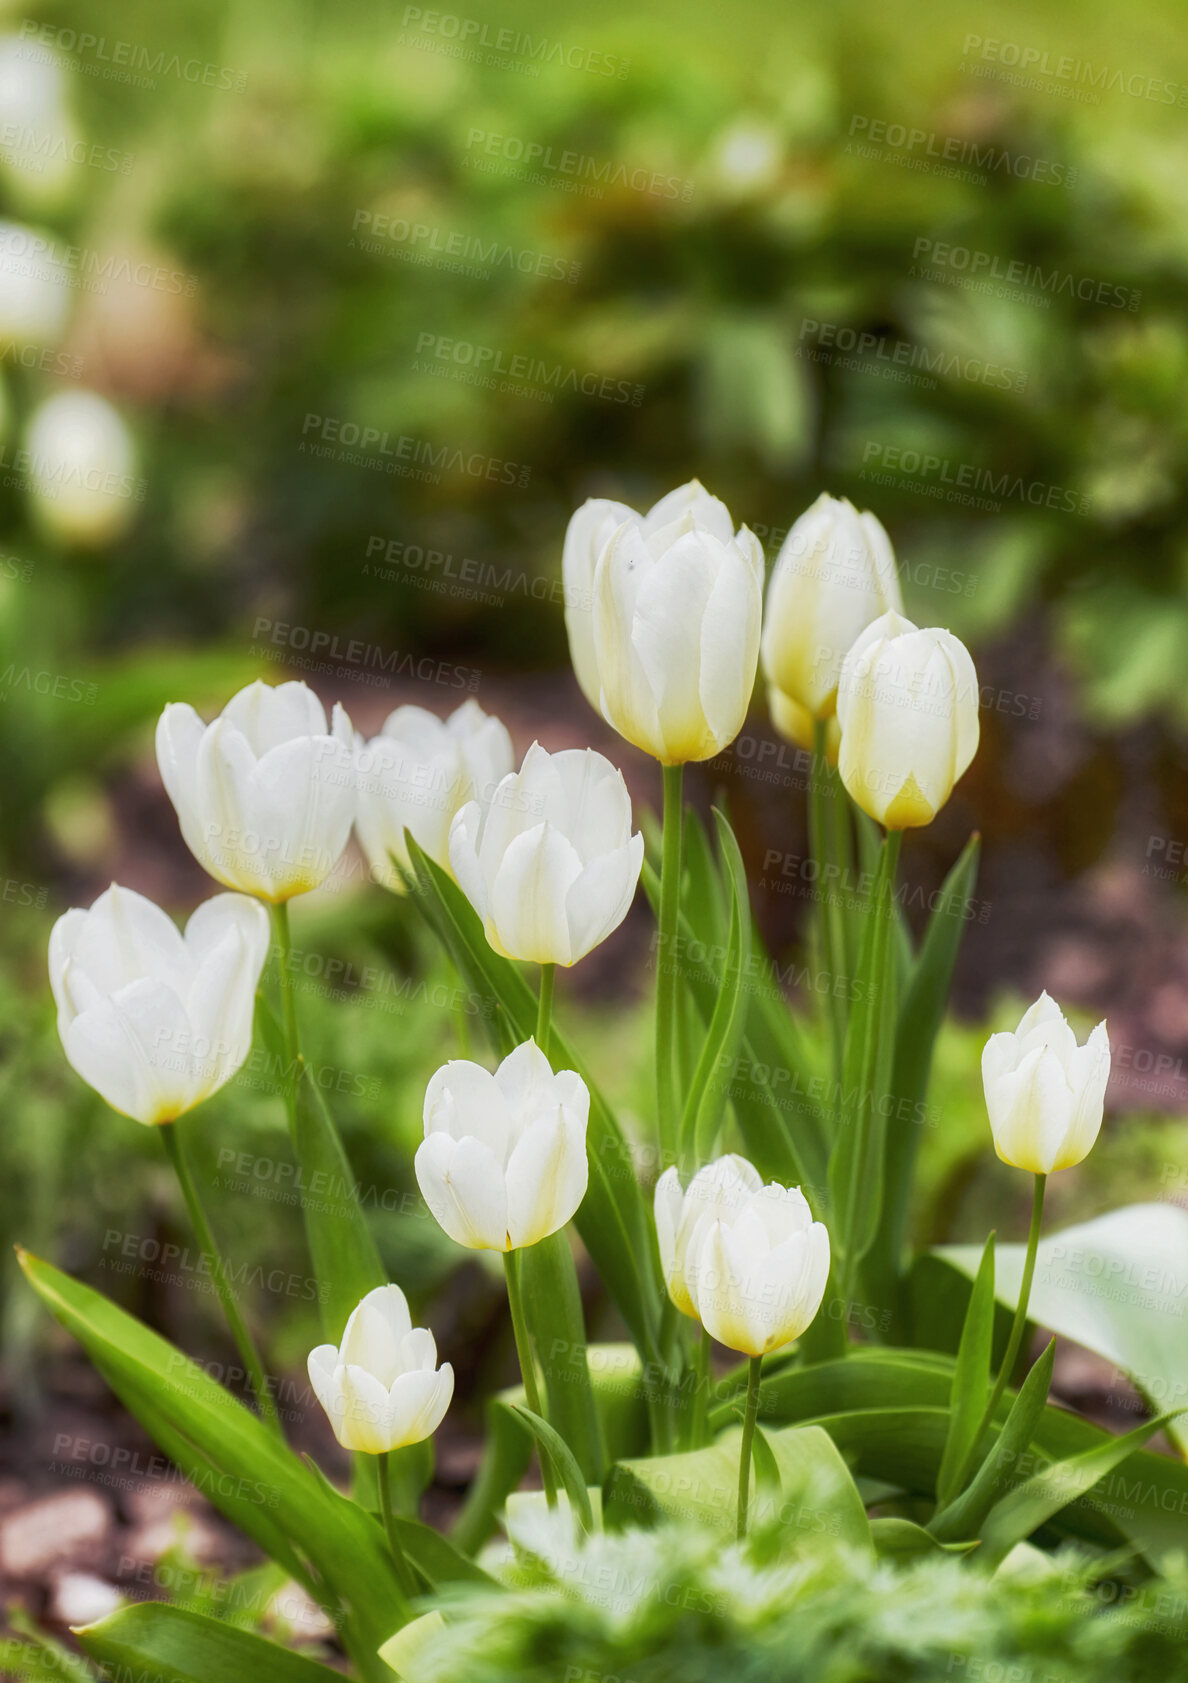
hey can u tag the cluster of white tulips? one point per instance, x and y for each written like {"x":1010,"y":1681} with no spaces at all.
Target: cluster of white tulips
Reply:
{"x":666,"y":631}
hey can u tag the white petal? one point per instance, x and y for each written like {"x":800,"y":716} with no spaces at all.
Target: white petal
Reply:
{"x":464,"y":1187}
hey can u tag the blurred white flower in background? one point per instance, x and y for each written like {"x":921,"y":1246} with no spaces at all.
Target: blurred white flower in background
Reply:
{"x":34,"y":288}
{"x":41,"y":143}
{"x":82,"y":469}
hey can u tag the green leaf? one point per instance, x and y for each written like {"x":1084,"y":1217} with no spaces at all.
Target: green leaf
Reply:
{"x":971,"y":1377}
{"x":507,"y":1450}
{"x":563,"y":1463}
{"x":627,"y":1503}
{"x":816,"y":1498}
{"x":962,"y":1517}
{"x":1116,"y":1286}
{"x":920,"y":1017}
{"x":234,"y":1459}
{"x":346,"y":1262}
{"x":438,"y":1559}
{"x":888,"y":1412}
{"x":767,"y":1468}
{"x":1033,"y":1503}
{"x":903,"y":1539}
{"x":156,"y":1643}
{"x":706,"y":1099}
{"x":614,"y":1221}
{"x":554,"y":1308}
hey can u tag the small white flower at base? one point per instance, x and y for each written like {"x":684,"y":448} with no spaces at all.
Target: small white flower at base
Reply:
{"x":549,"y":863}
{"x":907,"y":703}
{"x":265,"y":795}
{"x":416,"y":774}
{"x":381,"y":1387}
{"x":678,"y":604}
{"x":153,"y":1020}
{"x":503,"y":1162}
{"x":1045,"y":1094}
{"x":835,"y":573}
{"x":753,"y":1267}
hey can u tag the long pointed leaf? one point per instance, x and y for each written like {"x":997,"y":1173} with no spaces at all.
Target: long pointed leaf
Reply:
{"x":962,"y":1518}
{"x":971,"y":1376}
{"x":157,"y":1643}
{"x":561,"y":1459}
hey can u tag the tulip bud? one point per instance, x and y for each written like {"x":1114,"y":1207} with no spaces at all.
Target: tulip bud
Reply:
{"x":153,"y":1020}
{"x":82,"y":468}
{"x":503,"y":1161}
{"x":1044,"y":1093}
{"x":749,"y":1259}
{"x":678,"y":600}
{"x":550,"y":864}
{"x":416,"y":774}
{"x":718,"y":1187}
{"x":264,"y":795}
{"x":587,"y":535}
{"x":907,"y":704}
{"x":835,"y":573}
{"x":381,"y":1387}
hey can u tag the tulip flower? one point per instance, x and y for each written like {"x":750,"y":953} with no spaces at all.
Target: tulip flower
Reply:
{"x":34,"y":289}
{"x":907,"y":703}
{"x":416,"y":774}
{"x":589,"y":531}
{"x":381,"y":1387}
{"x":265,"y":795}
{"x":82,"y":468}
{"x":550,"y":863}
{"x":715,"y":1190}
{"x":153,"y":1020}
{"x":678,"y":600}
{"x":1044,"y":1093}
{"x":835,"y":573}
{"x":503,"y":1161}
{"x":756,"y":1268}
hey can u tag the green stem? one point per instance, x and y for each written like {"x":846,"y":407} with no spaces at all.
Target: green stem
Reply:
{"x":880,"y":909}
{"x":544,"y":1015}
{"x":1017,"y":1325}
{"x":699,"y":1403}
{"x":515,"y":1301}
{"x":404,"y":1572}
{"x":244,"y":1342}
{"x":750,"y":1415}
{"x":284,"y":946}
{"x":833,"y":940}
{"x":666,"y":974}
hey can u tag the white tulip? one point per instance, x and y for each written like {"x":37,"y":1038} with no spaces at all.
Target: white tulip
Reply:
{"x":417,"y":773}
{"x":82,"y":468}
{"x":265,"y":796}
{"x":381,"y":1387}
{"x":715,"y":1189}
{"x":153,"y":1020}
{"x":795,"y":724}
{"x":1044,"y":1093}
{"x":907,"y":704}
{"x":550,"y":864}
{"x":754,"y":1265}
{"x":589,"y":531}
{"x":835,"y":573}
{"x":678,"y":601}
{"x":503,"y":1161}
